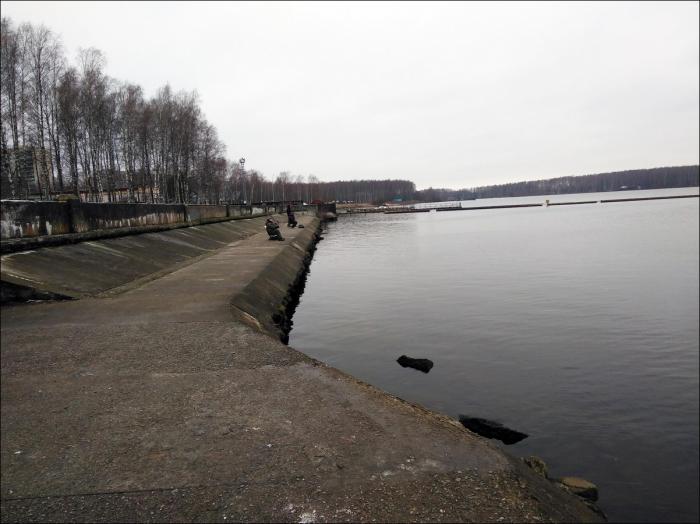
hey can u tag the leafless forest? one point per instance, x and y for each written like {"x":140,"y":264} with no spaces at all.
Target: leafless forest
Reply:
{"x":85,"y":133}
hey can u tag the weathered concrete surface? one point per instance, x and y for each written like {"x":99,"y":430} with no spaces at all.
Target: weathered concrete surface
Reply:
{"x":92,"y":267}
{"x":15,"y":245}
{"x":155,"y":405}
{"x":267,"y":301}
{"x":26,"y":219}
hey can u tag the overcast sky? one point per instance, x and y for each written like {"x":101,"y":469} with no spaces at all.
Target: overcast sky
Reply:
{"x":444,"y":94}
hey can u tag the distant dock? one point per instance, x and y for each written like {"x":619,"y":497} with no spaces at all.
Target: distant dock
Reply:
{"x":647,"y":198}
{"x":408,"y":209}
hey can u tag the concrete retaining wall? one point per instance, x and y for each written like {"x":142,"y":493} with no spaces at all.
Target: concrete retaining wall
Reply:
{"x":30,"y":219}
{"x":199,"y":213}
{"x":88,"y":216}
{"x":239,"y":211}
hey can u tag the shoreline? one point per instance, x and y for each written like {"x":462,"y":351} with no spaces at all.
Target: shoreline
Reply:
{"x":158,"y":404}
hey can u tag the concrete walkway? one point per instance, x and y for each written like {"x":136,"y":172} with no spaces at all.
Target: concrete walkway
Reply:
{"x":155,"y":405}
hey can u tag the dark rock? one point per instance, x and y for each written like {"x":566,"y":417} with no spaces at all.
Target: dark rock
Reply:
{"x":536,"y":464}
{"x":491,"y":429}
{"x":421,"y":364}
{"x":594,"y":507}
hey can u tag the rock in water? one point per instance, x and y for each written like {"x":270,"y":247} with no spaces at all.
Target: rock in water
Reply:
{"x":491,"y":429}
{"x":421,"y":364}
{"x":580,"y":487}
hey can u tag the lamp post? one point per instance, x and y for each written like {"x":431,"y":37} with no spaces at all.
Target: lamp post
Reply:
{"x":241,"y":161}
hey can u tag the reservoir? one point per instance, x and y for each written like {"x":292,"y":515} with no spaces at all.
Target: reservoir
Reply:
{"x":577,"y":325}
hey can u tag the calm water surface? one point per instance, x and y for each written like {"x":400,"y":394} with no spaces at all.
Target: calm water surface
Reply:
{"x":575,"y":324}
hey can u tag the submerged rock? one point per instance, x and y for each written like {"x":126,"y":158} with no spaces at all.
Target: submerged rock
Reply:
{"x":580,"y":487}
{"x":490,"y":429}
{"x":421,"y":364}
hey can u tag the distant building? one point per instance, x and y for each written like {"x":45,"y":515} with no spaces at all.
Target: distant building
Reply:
{"x":114,"y":187}
{"x":121,"y":194}
{"x":26,"y":173}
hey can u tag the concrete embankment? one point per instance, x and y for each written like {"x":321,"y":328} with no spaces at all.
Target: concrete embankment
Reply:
{"x":268,"y":301}
{"x":156,"y":404}
{"x":43,"y":221}
{"x":91,"y":267}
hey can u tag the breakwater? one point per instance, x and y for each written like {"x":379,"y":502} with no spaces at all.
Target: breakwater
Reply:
{"x":547,"y":203}
{"x":268,"y":301}
{"x":161,"y":403}
{"x":442,"y":206}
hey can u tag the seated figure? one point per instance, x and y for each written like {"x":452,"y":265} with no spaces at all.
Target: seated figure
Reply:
{"x":273,"y":229}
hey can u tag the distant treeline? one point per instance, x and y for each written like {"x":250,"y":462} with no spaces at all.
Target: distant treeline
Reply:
{"x":376,"y":191}
{"x":656,"y":178}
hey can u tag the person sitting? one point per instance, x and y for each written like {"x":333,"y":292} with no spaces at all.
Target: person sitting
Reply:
{"x":273,"y":229}
{"x":291,"y":221}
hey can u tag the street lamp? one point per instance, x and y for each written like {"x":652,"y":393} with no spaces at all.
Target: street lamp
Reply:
{"x":241,"y":161}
